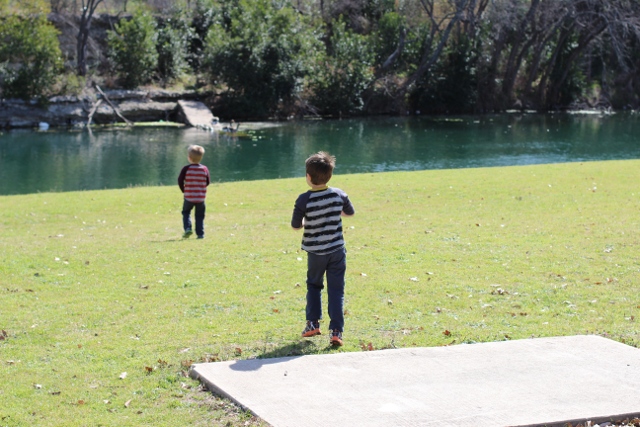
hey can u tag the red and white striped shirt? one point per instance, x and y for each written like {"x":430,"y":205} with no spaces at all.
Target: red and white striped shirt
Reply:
{"x":193,"y":181}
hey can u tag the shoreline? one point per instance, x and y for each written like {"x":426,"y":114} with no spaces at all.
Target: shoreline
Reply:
{"x":149,"y":108}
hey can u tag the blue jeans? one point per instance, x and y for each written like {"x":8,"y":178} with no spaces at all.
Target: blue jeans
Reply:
{"x":186,"y":214}
{"x":334,"y":265}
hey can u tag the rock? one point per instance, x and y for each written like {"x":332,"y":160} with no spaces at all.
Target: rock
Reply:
{"x":135,"y":105}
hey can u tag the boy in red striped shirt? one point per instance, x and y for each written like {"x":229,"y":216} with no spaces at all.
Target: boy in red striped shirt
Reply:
{"x":193,"y":181}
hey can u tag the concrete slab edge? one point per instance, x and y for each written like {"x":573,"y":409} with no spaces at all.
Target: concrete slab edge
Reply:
{"x":193,"y":373}
{"x":616,"y":419}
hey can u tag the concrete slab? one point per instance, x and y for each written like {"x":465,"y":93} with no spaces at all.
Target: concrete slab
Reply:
{"x":196,"y":113}
{"x":511,"y":383}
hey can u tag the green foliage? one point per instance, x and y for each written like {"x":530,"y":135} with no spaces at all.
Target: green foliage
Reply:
{"x":340,"y":77}
{"x":384,"y":40}
{"x":575,"y":84}
{"x":452,"y":86}
{"x":174,"y":37}
{"x":70,"y":84}
{"x":24,"y":7}
{"x":259,"y":51}
{"x":132,"y":49}
{"x":30,"y":56}
{"x":203,"y":17}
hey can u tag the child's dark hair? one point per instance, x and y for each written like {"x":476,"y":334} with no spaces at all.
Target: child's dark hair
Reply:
{"x":320,"y":167}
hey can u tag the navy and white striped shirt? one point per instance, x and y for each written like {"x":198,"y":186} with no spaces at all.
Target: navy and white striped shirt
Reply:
{"x":321,"y":211}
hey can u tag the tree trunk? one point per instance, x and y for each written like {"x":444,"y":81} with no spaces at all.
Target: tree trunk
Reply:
{"x":517,"y":54}
{"x":428,"y":57}
{"x":88,"y":10}
{"x":554,"y":91}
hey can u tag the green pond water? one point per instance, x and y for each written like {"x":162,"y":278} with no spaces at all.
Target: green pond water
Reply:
{"x":54,"y":160}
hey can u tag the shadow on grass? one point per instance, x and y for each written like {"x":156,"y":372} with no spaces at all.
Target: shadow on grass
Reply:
{"x":281,"y":354}
{"x":177,"y":239}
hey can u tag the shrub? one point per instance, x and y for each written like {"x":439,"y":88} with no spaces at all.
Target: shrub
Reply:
{"x":451,"y":88}
{"x":340,"y":77}
{"x":258,"y":50}
{"x":30,"y":56}
{"x":132,"y":49}
{"x":173,"y":42}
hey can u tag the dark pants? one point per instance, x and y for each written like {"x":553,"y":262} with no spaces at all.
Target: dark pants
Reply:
{"x":334,"y":265}
{"x":186,"y":214}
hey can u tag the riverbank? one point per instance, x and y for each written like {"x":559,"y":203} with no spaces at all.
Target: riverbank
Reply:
{"x":153,"y":105}
{"x":140,"y":107}
{"x":106,"y":306}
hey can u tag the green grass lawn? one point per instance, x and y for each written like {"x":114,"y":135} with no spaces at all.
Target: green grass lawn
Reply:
{"x":97,"y":284}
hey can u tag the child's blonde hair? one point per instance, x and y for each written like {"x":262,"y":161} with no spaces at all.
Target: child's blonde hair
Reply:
{"x":195,"y":153}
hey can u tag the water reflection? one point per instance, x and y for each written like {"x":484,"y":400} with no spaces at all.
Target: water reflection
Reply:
{"x":65,"y":161}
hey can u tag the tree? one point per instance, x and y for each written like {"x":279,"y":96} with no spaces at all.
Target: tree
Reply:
{"x":30,"y":56}
{"x":174,"y":37}
{"x":88,"y":9}
{"x":341,"y":76}
{"x":259,"y":51}
{"x":132,"y":49}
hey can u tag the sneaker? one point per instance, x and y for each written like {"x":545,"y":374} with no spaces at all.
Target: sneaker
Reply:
{"x":312,"y":329}
{"x":200,"y":237}
{"x":187,"y":234}
{"x":336,"y":338}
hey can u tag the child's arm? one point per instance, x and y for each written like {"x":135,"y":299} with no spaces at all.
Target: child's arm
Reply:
{"x":299,"y":228}
{"x":183,"y":174}
{"x":347,"y":207}
{"x":297,"y":219}
{"x":208,"y":175}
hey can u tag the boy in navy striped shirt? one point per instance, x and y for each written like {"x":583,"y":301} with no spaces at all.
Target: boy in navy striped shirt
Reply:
{"x":193,"y":181}
{"x":319,"y":212}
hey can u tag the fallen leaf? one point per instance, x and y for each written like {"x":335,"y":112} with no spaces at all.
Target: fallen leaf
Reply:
{"x":123,"y":375}
{"x":148,"y":369}
{"x":80,"y":402}
{"x":275,"y":310}
{"x":238,"y":351}
{"x":446,"y":333}
{"x":370,"y":347}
